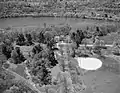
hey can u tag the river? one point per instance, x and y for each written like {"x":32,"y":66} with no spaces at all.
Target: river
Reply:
{"x":29,"y":21}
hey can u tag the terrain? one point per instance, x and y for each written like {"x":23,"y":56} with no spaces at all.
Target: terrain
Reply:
{"x":106,"y":79}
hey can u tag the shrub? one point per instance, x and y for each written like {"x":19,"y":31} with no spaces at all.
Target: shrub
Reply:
{"x":6,"y":65}
{"x":105,"y":30}
{"x":40,"y":71}
{"x":41,"y":37}
{"x":78,"y":37}
{"x":36,"y":49}
{"x":29,"y":40}
{"x":20,"y":40}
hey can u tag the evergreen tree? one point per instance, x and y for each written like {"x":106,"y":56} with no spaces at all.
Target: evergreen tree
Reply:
{"x":17,"y":56}
{"x":29,"y":39}
{"x":40,"y":70}
{"x":7,"y":48}
{"x":78,"y":37}
{"x":41,"y":37}
{"x":20,"y":39}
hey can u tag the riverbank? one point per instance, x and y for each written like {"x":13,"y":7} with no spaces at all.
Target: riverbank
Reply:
{"x":69,"y":15}
{"x":56,"y":9}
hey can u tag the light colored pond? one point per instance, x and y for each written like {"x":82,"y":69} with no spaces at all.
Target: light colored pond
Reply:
{"x":89,"y":63}
{"x":84,"y":63}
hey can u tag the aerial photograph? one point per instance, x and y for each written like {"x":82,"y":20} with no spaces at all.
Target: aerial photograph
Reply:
{"x":59,"y":46}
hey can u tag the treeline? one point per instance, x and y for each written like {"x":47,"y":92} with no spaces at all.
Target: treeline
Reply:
{"x":15,"y":8}
{"x":114,"y":11}
{"x":24,"y":9}
{"x":46,"y":36}
{"x":38,"y":34}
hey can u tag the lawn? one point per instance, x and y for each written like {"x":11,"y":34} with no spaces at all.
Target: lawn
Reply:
{"x":103,"y":80}
{"x":109,"y":39}
{"x":20,"y":70}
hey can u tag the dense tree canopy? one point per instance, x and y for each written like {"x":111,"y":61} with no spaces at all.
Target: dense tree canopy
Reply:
{"x":7,"y":48}
{"x":43,"y":60}
{"x":40,"y":71}
{"x":17,"y":56}
{"x":78,"y":37}
{"x":29,"y":40}
{"x":20,"y":39}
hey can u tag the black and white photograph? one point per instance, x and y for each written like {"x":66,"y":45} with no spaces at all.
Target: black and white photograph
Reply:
{"x":59,"y":46}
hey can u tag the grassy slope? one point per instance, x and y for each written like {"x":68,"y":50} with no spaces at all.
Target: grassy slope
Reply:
{"x":20,"y":70}
{"x":110,"y":38}
{"x":101,"y":77}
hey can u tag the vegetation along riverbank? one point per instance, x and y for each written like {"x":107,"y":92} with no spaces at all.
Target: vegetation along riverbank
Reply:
{"x":60,"y":9}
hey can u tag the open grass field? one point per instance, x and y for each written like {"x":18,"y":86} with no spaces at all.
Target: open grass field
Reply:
{"x":105,"y":82}
{"x":101,"y":80}
{"x":20,"y":70}
{"x":110,"y":38}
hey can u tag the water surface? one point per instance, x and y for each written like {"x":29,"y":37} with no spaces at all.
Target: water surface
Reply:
{"x":29,"y":21}
{"x":89,"y":63}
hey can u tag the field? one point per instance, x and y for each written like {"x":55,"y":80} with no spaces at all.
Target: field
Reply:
{"x":110,"y":38}
{"x":101,"y":80}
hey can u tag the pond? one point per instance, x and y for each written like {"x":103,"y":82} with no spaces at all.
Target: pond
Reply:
{"x":89,"y":63}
